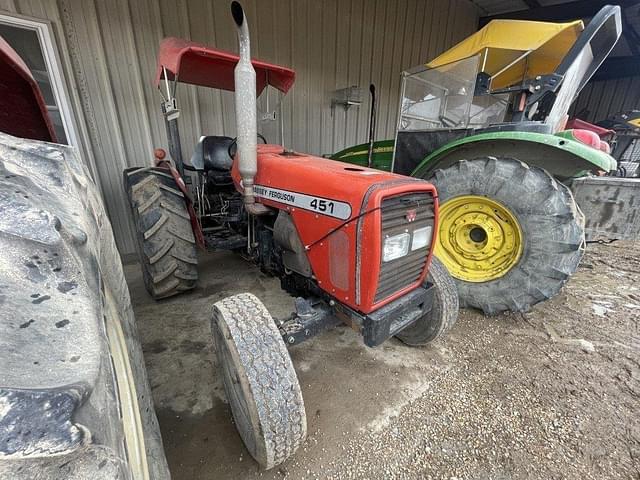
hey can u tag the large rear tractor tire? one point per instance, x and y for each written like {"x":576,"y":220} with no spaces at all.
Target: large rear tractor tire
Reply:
{"x":443,"y":313}
{"x":166,"y":244}
{"x":509,"y":234}
{"x":259,"y":379}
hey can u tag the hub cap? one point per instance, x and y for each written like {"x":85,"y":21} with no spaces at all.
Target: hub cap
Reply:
{"x":479,"y":239}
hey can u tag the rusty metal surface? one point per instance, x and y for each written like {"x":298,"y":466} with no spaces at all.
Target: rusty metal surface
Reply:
{"x":611,"y":206}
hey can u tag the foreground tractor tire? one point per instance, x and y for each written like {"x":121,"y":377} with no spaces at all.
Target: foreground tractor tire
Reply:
{"x":509,"y":234}
{"x":443,"y":314}
{"x":259,"y":379}
{"x":75,"y":399}
{"x":166,"y":244}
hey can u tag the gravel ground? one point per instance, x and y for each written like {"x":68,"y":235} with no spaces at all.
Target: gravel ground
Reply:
{"x":554,"y":393}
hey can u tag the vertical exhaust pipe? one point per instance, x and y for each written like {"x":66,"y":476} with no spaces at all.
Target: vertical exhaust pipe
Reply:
{"x":246,"y":116}
{"x":372,"y":124}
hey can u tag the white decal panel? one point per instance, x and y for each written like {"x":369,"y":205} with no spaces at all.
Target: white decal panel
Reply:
{"x":321,"y":205}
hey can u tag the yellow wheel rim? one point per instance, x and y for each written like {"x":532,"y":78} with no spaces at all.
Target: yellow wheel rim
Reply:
{"x":479,"y":239}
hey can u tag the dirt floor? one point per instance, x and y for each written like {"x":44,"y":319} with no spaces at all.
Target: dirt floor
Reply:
{"x":554,"y":393}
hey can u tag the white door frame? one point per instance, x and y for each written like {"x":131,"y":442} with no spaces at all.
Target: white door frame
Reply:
{"x":46,"y":37}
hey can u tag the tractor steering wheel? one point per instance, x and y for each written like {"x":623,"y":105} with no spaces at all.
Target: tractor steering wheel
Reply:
{"x":233,"y":146}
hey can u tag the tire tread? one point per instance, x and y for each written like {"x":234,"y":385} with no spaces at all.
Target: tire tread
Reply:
{"x":443,"y":314}
{"x":548,"y":214}
{"x":248,"y":329}
{"x":166,"y":243}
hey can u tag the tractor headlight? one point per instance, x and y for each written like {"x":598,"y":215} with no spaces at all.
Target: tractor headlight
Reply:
{"x":395,"y":247}
{"x":421,"y":238}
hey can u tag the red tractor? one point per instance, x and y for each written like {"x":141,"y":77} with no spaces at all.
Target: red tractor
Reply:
{"x":352,"y":244}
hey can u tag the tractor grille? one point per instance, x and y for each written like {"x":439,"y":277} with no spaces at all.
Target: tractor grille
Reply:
{"x":404,"y":271}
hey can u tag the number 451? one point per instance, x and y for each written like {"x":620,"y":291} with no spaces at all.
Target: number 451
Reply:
{"x":322,"y":205}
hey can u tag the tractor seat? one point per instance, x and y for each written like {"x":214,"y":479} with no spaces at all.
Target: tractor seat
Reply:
{"x":212,"y":153}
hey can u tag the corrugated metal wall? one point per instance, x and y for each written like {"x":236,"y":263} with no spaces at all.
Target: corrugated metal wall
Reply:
{"x":110,"y":47}
{"x":599,"y":100}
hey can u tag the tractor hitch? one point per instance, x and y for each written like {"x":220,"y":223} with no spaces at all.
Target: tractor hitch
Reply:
{"x":309,"y":319}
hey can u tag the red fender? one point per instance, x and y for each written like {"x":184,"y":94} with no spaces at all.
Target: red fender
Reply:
{"x":160,"y":162}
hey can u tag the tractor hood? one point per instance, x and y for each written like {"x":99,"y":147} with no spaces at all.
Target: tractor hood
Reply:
{"x":283,"y":176}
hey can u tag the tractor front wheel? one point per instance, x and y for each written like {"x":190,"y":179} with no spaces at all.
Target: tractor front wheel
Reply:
{"x":443,"y":313}
{"x":509,"y":234}
{"x":259,"y":379}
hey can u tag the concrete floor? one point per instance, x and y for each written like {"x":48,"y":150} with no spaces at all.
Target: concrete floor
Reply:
{"x":550,"y":394}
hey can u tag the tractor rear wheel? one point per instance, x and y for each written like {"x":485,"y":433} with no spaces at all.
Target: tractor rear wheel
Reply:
{"x":259,"y":379}
{"x":444,"y":311}
{"x":509,"y":234}
{"x":166,"y":244}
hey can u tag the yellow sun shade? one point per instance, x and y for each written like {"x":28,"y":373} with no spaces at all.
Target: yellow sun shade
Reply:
{"x":503,"y":47}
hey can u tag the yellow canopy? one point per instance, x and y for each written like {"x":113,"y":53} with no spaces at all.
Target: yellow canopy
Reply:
{"x":512,"y":50}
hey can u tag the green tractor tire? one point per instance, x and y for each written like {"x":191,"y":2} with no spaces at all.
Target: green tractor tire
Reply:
{"x":509,"y":233}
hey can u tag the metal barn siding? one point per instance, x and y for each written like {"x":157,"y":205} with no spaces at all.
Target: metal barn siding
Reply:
{"x":599,"y":100}
{"x":109,"y":47}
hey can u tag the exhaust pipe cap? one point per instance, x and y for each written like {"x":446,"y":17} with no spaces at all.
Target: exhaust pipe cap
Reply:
{"x":237,"y":13}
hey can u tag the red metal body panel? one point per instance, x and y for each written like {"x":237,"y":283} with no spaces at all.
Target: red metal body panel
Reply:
{"x":363,"y":189}
{"x":603,"y":133}
{"x":24,"y":113}
{"x":198,"y":64}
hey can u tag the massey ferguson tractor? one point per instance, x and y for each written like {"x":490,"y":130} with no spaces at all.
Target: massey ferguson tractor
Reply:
{"x":485,"y":122}
{"x":352,"y":244}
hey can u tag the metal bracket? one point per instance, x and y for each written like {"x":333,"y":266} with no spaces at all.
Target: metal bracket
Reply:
{"x":311,"y":317}
{"x":346,"y":97}
{"x":170,"y":109}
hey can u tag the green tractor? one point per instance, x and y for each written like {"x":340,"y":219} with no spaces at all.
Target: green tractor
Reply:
{"x":485,"y":123}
